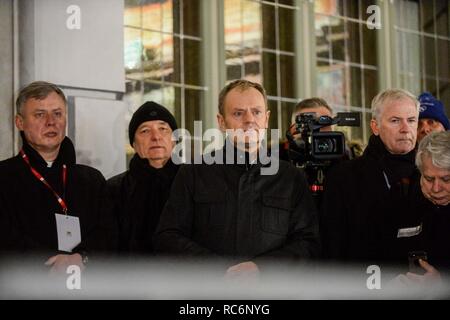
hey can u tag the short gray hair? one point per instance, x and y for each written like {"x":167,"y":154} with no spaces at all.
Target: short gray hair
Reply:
{"x":436,"y":145}
{"x":391,"y":95}
{"x":37,"y":90}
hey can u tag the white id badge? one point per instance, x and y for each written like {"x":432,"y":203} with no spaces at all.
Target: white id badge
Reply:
{"x":69,"y":233}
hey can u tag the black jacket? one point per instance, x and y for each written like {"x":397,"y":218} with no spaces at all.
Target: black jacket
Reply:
{"x":28,"y":207}
{"x":139,"y":196}
{"x":435,"y":238}
{"x":231,"y":211}
{"x":366,"y":201}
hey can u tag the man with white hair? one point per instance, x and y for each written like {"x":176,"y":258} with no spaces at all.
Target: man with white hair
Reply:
{"x":368,"y":206}
{"x":433,"y":161}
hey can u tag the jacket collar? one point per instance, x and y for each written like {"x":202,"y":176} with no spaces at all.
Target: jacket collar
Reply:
{"x":395,"y":166}
{"x":142,"y":170}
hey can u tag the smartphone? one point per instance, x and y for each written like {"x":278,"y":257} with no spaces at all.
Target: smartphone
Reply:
{"x":413,"y":258}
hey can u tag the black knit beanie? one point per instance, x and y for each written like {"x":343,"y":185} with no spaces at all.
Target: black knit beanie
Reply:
{"x":147,"y":112}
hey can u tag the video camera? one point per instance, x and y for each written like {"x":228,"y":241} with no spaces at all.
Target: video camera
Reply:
{"x":315,"y":151}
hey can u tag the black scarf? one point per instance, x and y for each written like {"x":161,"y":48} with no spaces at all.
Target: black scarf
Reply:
{"x":399,"y":168}
{"x":147,"y":201}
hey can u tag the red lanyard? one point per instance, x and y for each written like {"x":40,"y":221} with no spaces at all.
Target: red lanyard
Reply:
{"x":41,"y":178}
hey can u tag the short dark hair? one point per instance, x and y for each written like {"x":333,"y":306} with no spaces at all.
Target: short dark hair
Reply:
{"x":37,"y":90}
{"x":242,"y":84}
{"x":314,"y":102}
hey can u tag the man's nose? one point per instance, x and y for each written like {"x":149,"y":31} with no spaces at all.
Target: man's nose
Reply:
{"x":425,"y":129}
{"x":155,"y":135}
{"x":436,"y":186}
{"x":50,"y":119}
{"x":249,"y":117}
{"x":405,"y":126}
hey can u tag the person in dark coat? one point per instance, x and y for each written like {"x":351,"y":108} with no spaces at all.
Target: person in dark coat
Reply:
{"x":231,"y":210}
{"x":369,"y":211}
{"x":140,"y":193}
{"x":433,"y":161}
{"x":43,"y":182}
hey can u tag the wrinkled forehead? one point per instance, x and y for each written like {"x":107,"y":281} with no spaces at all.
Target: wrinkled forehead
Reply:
{"x":399,"y":106}
{"x":244,"y":98}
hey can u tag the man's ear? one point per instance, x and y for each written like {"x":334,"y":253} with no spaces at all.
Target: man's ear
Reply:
{"x":221,"y":122}
{"x":374,"y":127}
{"x":19,"y":122}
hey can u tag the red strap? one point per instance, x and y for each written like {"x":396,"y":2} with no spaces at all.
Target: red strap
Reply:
{"x":42,"y":179}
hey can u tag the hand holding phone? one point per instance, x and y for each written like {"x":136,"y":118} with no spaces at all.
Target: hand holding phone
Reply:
{"x":413,"y":258}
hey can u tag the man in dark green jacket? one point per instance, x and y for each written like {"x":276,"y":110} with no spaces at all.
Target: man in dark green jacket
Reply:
{"x":232,"y":210}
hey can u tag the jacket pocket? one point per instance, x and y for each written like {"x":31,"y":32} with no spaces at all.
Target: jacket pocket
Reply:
{"x":275,"y":214}
{"x":211,"y":208}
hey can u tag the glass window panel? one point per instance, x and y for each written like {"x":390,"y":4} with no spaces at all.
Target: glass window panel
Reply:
{"x":234,"y":71}
{"x":273,"y":119}
{"x":132,"y":13}
{"x":370,"y":86}
{"x":287,"y":76}
{"x":431,"y":84}
{"x":331,"y":83}
{"x":233,"y":23}
{"x":176,"y":75}
{"x":287,"y":2}
{"x":355,"y":86}
{"x":270,"y":73}
{"x":193,"y":101}
{"x":354,"y":42}
{"x":133,"y":95}
{"x":192,"y":62}
{"x":151,"y":55}
{"x":168,"y":57}
{"x":443,"y":55}
{"x":407,"y":14}
{"x":191,"y":18}
{"x":153,"y":92}
{"x":151,"y":15}
{"x":168,"y":10}
{"x":442,"y":18}
{"x":330,"y":7}
{"x":132,"y":49}
{"x":336,"y":38}
{"x":176,"y":12}
{"x":430,"y":57}
{"x":252,"y":65}
{"x":322,"y":29}
{"x":369,"y":44}
{"x":169,"y":100}
{"x":408,"y":61}
{"x":352,"y":9}
{"x":269,"y":35}
{"x":286,"y":26}
{"x":251,"y":24}
{"x":427,"y":17}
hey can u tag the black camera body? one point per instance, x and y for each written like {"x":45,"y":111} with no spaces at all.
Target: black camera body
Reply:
{"x":316,"y":151}
{"x":312,"y":147}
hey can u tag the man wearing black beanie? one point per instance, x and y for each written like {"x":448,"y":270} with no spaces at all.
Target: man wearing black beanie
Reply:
{"x":139,"y":194}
